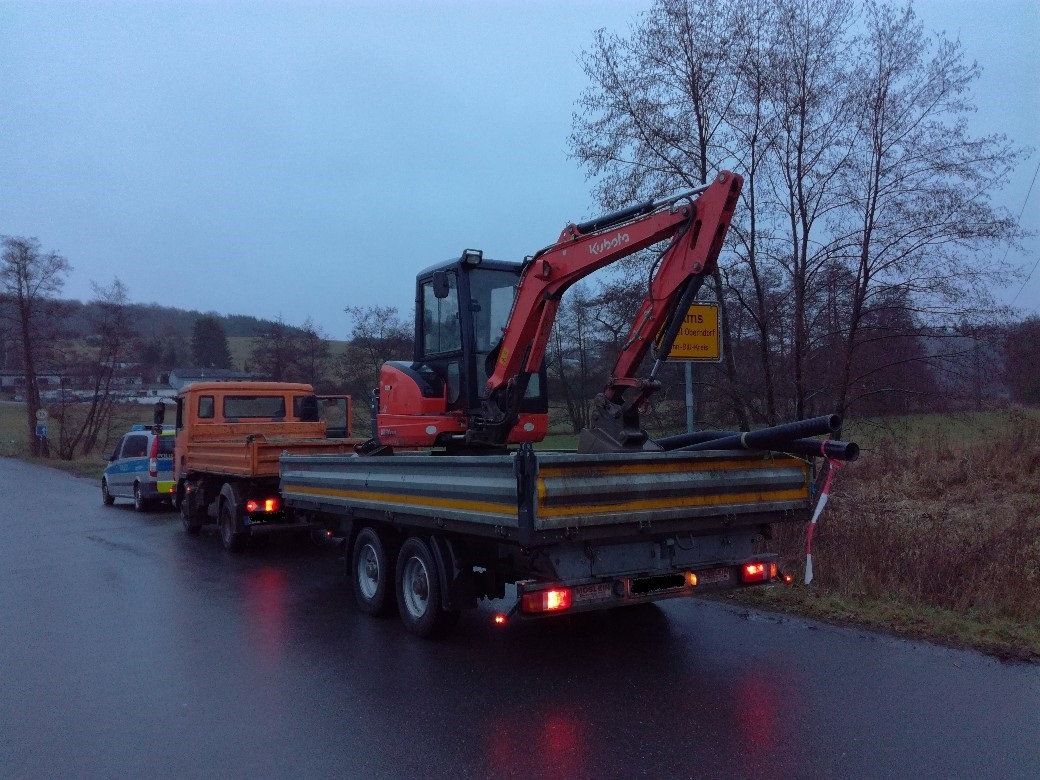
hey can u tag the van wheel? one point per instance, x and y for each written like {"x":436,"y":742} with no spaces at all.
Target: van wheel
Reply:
{"x":419,"y":592}
{"x":371,"y":574}
{"x":140,"y":504}
{"x":107,"y":497}
{"x":232,"y":539}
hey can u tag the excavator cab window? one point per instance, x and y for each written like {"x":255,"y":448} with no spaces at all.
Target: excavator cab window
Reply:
{"x":441,"y":327}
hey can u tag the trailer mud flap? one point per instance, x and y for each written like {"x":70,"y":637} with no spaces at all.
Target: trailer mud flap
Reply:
{"x":525,"y":465}
{"x":456,"y":578}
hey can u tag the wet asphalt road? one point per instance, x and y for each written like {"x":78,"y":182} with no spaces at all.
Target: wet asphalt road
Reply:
{"x":128,"y":649}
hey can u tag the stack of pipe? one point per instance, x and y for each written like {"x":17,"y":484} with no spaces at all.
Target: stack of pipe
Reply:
{"x":789,"y":437}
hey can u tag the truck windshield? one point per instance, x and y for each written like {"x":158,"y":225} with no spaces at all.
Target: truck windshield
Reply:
{"x":239,"y":406}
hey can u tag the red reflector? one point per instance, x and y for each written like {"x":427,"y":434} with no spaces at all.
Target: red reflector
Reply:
{"x":546,"y":600}
{"x":263,"y":505}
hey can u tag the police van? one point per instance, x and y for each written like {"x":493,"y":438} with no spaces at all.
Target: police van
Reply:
{"x":141,"y":468}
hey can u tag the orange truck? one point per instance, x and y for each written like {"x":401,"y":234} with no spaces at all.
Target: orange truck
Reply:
{"x":229,"y":437}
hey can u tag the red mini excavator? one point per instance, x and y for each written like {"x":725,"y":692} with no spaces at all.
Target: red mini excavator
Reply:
{"x":478,"y":381}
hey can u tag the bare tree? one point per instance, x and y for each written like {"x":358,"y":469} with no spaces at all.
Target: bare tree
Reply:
{"x":378,"y":334}
{"x":865,"y":196}
{"x":274,"y":352}
{"x":31,"y":278}
{"x":80,"y":428}
{"x":571,"y":357}
{"x":312,"y":354}
{"x":917,"y":188}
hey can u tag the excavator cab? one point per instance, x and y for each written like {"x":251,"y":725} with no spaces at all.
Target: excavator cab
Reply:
{"x":440,"y":399}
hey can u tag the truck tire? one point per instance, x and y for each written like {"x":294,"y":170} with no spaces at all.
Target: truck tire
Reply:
{"x":372,"y":574}
{"x":232,"y":539}
{"x":191,"y":517}
{"x":419,"y":592}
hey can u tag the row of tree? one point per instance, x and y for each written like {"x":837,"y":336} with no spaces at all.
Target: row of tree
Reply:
{"x":866,"y":243}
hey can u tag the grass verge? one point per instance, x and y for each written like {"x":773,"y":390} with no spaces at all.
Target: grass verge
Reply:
{"x":1003,"y":638}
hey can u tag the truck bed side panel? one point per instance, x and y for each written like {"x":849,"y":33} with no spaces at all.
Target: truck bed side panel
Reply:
{"x":572,"y":495}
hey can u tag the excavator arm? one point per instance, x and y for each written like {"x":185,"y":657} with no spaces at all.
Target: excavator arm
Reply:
{"x":696,"y":229}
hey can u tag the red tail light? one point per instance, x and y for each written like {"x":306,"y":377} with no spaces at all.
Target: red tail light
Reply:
{"x":546,"y":600}
{"x":153,"y":458}
{"x":263,"y":505}
{"x":757,"y":572}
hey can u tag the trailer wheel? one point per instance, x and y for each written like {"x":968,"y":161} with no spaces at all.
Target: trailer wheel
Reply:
{"x":372,"y":574}
{"x":419,"y":592}
{"x":232,"y":539}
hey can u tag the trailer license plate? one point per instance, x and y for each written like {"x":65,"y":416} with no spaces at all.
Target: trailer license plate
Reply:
{"x":712,"y":576}
{"x":594,"y":592}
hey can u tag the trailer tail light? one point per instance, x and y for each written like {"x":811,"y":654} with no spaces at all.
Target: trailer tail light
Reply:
{"x":757,"y":572}
{"x":553,"y":600}
{"x":153,"y":458}
{"x":263,"y":505}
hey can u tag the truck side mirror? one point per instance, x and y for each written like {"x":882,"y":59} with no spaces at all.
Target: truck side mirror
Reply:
{"x":441,"y":288}
{"x":158,"y":414}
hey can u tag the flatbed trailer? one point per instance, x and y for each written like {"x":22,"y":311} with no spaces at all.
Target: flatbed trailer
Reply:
{"x":572,"y":532}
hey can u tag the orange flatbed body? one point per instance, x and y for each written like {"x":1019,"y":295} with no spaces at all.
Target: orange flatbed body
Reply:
{"x":239,"y":429}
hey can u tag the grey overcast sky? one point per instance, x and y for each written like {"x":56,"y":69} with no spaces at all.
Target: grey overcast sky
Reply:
{"x":293,"y":158}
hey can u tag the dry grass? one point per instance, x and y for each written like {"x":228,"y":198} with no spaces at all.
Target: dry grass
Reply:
{"x":934,"y":521}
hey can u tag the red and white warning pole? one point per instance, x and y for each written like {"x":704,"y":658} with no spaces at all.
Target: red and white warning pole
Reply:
{"x":832,"y":468}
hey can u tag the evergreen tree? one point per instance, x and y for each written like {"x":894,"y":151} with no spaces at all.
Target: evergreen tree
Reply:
{"x":209,"y":344}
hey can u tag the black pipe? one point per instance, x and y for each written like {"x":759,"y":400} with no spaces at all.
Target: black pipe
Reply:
{"x":828,"y":448}
{"x":806,"y":447}
{"x":615,"y":217}
{"x":686,"y":439}
{"x":770,"y":438}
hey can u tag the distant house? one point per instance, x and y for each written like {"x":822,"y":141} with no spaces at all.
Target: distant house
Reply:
{"x":11,"y":381}
{"x":181,"y":377}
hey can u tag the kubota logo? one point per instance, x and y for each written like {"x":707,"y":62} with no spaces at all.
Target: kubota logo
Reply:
{"x":608,"y":243}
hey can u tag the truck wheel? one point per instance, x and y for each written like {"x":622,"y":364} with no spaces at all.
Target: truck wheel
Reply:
{"x":107,"y":497}
{"x":191,"y":518}
{"x":419,"y":592}
{"x":371,"y":574}
{"x":140,"y":504}
{"x":232,"y":539}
